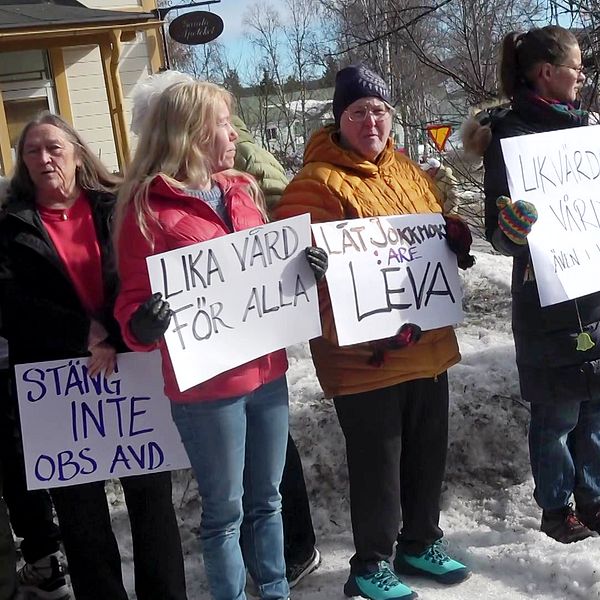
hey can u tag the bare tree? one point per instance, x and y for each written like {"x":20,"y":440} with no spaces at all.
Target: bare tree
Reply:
{"x":369,"y":30}
{"x":266,"y":32}
{"x":204,"y":61}
{"x":439,"y":57}
{"x":301,"y":32}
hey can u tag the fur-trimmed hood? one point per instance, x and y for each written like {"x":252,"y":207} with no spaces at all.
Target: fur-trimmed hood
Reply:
{"x":476,"y":131}
{"x":476,"y":135}
{"x":526,"y":108}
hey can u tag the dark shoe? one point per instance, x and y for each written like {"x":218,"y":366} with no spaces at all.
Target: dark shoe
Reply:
{"x":564,"y":526}
{"x":589,"y":515}
{"x":44,"y":579}
{"x":295,"y":572}
{"x":434,"y":563}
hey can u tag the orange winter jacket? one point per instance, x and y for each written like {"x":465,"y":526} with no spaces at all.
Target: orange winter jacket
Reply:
{"x":337,"y":184}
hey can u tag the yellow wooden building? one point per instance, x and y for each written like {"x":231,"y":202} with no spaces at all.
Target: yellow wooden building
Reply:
{"x":79,"y":60}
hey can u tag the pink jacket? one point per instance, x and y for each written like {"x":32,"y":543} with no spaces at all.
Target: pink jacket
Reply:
{"x":185,"y":220}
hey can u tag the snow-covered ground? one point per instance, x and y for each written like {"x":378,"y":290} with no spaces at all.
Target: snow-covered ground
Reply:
{"x":489,"y":516}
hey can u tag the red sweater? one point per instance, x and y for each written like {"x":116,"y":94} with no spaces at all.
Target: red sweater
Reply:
{"x":73,"y":234}
{"x":186,"y":220}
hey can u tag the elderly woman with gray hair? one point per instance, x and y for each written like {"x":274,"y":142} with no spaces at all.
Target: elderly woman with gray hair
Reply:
{"x":57,"y":290}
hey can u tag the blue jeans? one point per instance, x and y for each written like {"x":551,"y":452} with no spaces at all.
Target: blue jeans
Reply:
{"x":564,"y":449}
{"x":237,"y":450}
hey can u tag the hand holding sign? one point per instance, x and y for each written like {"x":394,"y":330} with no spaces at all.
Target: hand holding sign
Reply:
{"x":317,"y":260}
{"x":558,"y":172}
{"x":516,"y":219}
{"x":408,"y":335}
{"x":103,"y":359}
{"x":78,"y":427}
{"x":386,"y":271}
{"x":150,"y":321}
{"x":235,"y":298}
{"x":459,"y":238}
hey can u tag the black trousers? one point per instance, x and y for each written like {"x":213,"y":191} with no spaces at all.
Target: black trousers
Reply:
{"x":298,"y":532}
{"x":91,"y":547}
{"x":396,"y":446}
{"x":30,"y":512}
{"x":8,"y":570}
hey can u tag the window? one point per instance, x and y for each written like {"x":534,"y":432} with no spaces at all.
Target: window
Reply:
{"x":28,"y":65}
{"x":271,"y":133}
{"x":27,"y":89}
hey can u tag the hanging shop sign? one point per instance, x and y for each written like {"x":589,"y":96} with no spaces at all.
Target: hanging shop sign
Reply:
{"x":197,"y":27}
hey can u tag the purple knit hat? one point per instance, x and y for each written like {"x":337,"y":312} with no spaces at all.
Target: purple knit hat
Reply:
{"x":354,"y":82}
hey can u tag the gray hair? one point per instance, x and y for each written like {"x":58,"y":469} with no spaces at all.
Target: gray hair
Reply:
{"x":146,"y":92}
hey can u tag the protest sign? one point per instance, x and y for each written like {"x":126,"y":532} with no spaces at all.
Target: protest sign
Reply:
{"x":386,"y":271}
{"x":559,"y":172}
{"x":236,"y":298}
{"x":77,"y":428}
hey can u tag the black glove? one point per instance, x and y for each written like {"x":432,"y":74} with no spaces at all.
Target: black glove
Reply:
{"x":150,"y":321}
{"x":459,"y":238}
{"x":317,"y":259}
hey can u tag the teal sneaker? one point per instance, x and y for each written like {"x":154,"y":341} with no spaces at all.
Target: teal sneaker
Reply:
{"x":434,"y":563}
{"x":383,"y":584}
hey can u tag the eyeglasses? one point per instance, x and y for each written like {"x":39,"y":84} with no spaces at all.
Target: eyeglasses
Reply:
{"x":580,"y":69}
{"x":358,"y":115}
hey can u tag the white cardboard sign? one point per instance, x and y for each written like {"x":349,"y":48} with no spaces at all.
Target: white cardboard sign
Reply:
{"x":236,"y":298}
{"x":559,"y":172}
{"x":387,"y":271}
{"x":77,"y":429}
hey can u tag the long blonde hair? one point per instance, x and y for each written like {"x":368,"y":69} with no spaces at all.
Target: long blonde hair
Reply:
{"x":176,"y":142}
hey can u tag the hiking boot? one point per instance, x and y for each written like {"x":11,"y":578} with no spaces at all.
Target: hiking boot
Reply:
{"x":295,"y":572}
{"x":589,"y":515}
{"x":44,"y":579}
{"x":382,"y":584}
{"x":434,"y":563}
{"x":564,"y":526}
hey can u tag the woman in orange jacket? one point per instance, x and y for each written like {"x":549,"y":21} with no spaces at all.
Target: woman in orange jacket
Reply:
{"x":391,"y":396}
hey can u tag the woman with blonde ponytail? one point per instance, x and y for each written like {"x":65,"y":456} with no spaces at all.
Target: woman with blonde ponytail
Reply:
{"x":181,"y":189}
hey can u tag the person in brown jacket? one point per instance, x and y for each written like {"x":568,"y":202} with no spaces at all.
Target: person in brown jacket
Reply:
{"x":391,"y":396}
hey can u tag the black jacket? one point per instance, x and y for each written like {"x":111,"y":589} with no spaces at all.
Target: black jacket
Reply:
{"x":42,"y":316}
{"x":544,"y":337}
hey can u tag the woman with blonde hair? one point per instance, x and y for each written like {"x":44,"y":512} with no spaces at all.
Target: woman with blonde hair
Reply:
{"x":57,"y":290}
{"x":181,"y":189}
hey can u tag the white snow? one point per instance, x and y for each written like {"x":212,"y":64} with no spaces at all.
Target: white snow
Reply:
{"x":490,"y":518}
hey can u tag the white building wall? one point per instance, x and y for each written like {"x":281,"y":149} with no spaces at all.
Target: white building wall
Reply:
{"x":87,"y":92}
{"x":89,"y":102}
{"x":134,"y":66}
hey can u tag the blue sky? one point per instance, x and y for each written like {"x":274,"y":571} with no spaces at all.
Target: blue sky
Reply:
{"x":232,"y":13}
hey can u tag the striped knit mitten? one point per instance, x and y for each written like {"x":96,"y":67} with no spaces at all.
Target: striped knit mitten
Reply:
{"x":516,"y":218}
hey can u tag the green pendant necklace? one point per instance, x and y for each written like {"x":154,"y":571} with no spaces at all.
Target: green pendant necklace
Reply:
{"x":584,"y":341}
